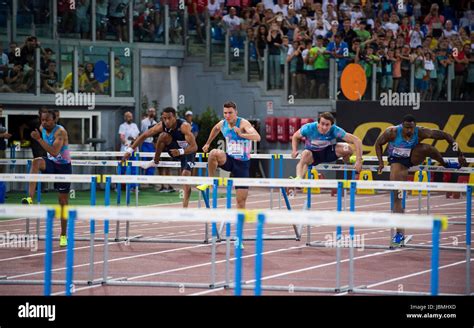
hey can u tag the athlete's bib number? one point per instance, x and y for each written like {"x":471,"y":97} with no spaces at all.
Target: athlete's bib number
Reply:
{"x":235,"y":149}
{"x":401,"y":152}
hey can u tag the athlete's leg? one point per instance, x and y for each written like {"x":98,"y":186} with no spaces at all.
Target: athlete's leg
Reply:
{"x":63,"y":199}
{"x":216,"y":158}
{"x":163,"y":140}
{"x":398,"y":172}
{"x":344,"y":150}
{"x":242,"y":195}
{"x":302,"y":166}
{"x":186,"y":189}
{"x":37,"y":165}
{"x":421,"y":151}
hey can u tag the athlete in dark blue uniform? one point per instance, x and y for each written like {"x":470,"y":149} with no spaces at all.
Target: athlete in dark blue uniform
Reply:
{"x":176,"y":139}
{"x":405,"y":150}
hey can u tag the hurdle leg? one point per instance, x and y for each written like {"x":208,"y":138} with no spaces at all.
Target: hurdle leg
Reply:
{"x":70,"y":253}
{"x":468,"y":238}
{"x":351,"y":244}
{"x":338,"y":237}
{"x":213,"y":256}
{"x":92,"y":232}
{"x":227,"y":254}
{"x":48,"y":262}
{"x":105,"y":266}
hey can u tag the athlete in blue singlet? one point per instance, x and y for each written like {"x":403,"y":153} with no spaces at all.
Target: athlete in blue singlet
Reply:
{"x":405,"y":150}
{"x":238,"y":134}
{"x":53,"y":139}
{"x":321,"y":145}
{"x":176,"y":139}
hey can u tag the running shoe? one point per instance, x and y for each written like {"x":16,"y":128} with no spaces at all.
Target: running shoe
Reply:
{"x":62,"y":241}
{"x":148,"y":165}
{"x":171,"y":189}
{"x":203,"y":187}
{"x":398,"y":240}
{"x":452,"y":164}
{"x":163,"y":189}
{"x":27,"y":201}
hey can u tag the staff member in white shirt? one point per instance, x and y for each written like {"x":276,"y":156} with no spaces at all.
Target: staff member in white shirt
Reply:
{"x":148,"y":145}
{"x":128,"y":132}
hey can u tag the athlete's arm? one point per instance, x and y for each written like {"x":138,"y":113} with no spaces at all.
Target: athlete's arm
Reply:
{"x":214,"y":132}
{"x":295,"y":140}
{"x":158,"y":128}
{"x":385,"y":137}
{"x":190,"y":139}
{"x":424,"y":133}
{"x":247,"y":131}
{"x":55,"y":149}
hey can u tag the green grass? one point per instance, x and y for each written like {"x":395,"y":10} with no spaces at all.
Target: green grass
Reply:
{"x":145,"y":197}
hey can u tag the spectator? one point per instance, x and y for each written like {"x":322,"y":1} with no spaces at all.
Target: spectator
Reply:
{"x":461,"y":62}
{"x":448,"y":31}
{"x":188,"y":116}
{"x":46,"y":58}
{"x":4,"y":64}
{"x":144,"y":25}
{"x":321,"y":66}
{"x":88,"y":83}
{"x":387,"y":62}
{"x":196,"y":10}
{"x":14,"y":79}
{"x":280,"y":7}
{"x":442,"y":62}
{"x":117,"y":14}
{"x":392,"y":25}
{"x":295,"y":59}
{"x":348,"y":33}
{"x":274,"y":40}
{"x":420,"y":72}
{"x":397,"y":69}
{"x":101,"y":18}
{"x":50,"y":81}
{"x":148,"y":145}
{"x":83,"y":22}
{"x":128,"y":132}
{"x":416,"y":36}
{"x":261,"y":44}
{"x":362,"y":32}
{"x":14,"y":54}
{"x":68,"y":80}
{"x":338,"y":49}
{"x":4,"y":136}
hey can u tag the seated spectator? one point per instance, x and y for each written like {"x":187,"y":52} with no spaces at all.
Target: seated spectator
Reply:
{"x":88,"y":83}
{"x":49,"y":82}
{"x":4,"y":63}
{"x":14,"y":78}
{"x":68,"y":80}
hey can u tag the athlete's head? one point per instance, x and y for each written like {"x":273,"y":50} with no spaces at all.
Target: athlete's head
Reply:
{"x":230,"y":112}
{"x":325,"y":121}
{"x":48,"y":120}
{"x":408,"y":125}
{"x":169,"y":117}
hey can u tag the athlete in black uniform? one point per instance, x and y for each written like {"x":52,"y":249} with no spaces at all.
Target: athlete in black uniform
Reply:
{"x":176,"y":139}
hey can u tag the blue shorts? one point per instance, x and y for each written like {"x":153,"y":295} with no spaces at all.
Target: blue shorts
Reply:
{"x":405,"y":161}
{"x":239,"y":169}
{"x":55,"y":168}
{"x":326,"y":155}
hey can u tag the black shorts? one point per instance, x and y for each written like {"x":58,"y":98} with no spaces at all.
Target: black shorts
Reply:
{"x":55,"y":168}
{"x":187,"y":161}
{"x":118,"y":21}
{"x":238,"y":169}
{"x":405,"y":161}
{"x":326,"y":155}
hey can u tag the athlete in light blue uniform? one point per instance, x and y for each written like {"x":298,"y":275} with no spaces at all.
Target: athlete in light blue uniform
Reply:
{"x":405,"y":150}
{"x":239,"y":134}
{"x":54,"y":139}
{"x":322,"y":146}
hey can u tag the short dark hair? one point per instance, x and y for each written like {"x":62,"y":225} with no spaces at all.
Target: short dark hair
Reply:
{"x":50,"y":112}
{"x":230,"y":104}
{"x":409,"y":118}
{"x":43,"y":109}
{"x":327,"y":116}
{"x":170,"y":110}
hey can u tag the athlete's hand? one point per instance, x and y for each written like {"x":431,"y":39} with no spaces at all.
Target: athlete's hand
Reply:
{"x":125,"y":157}
{"x":380,"y":169}
{"x":205,"y":148}
{"x":237,"y":130}
{"x":36,"y":135}
{"x":175,"y":152}
{"x":294,"y":154}
{"x":358,"y":165}
{"x":462,"y":160}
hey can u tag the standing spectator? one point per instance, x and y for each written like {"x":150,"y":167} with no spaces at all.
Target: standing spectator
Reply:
{"x":442,"y":62}
{"x":4,"y":136}
{"x":434,"y":21}
{"x":416,"y":36}
{"x":148,"y":145}
{"x":470,"y":77}
{"x":196,"y":10}
{"x":339,"y":50}
{"x":397,"y":69}
{"x":461,"y":62}
{"x":188,"y":116}
{"x":101,"y":18}
{"x":392,"y":24}
{"x":281,"y":7}
{"x":261,"y":44}
{"x":128,"y":132}
{"x":420,"y":72}
{"x":448,"y":31}
{"x":321,"y":66}
{"x":348,"y":33}
{"x":83,"y":22}
{"x":296,"y":62}
{"x":362,"y":32}
{"x":274,"y":40}
{"x":387,"y":62}
{"x":118,"y":18}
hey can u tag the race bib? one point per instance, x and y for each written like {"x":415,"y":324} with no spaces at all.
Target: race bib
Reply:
{"x":235,"y":148}
{"x":182,"y":143}
{"x":401,"y":152}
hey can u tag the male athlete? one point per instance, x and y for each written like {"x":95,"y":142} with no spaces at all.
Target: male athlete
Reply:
{"x":53,"y":139}
{"x":177,"y":140}
{"x":405,"y":150}
{"x":321,"y":144}
{"x":239,"y":134}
